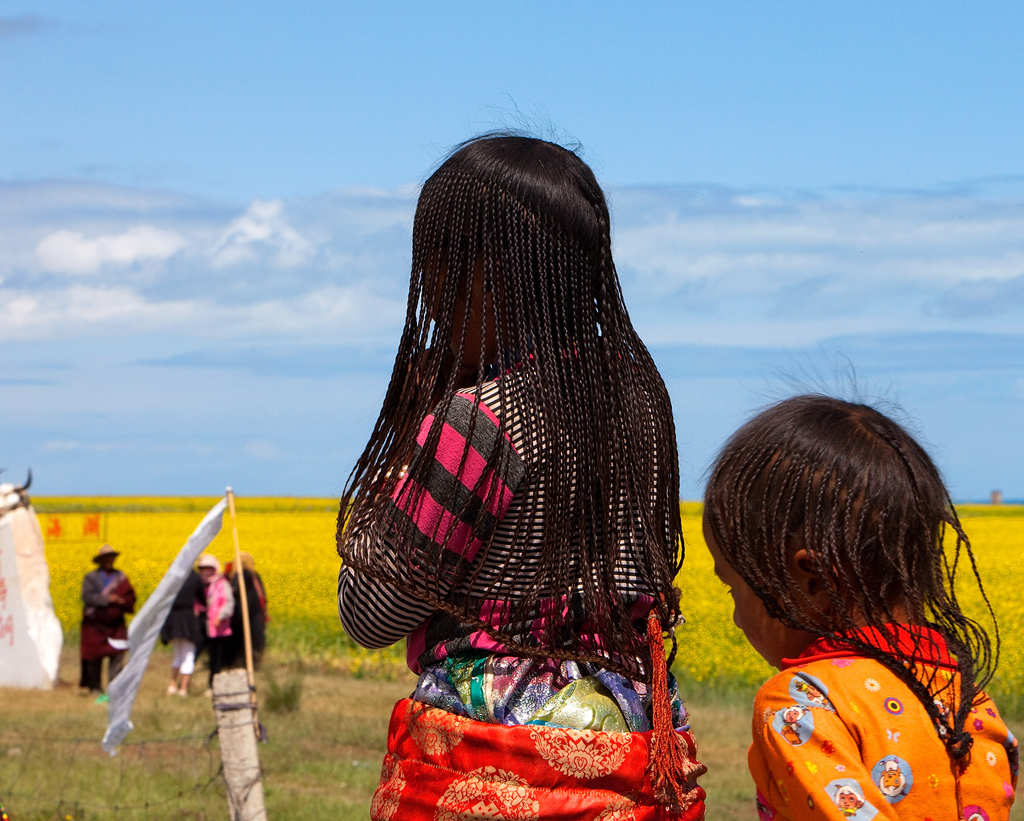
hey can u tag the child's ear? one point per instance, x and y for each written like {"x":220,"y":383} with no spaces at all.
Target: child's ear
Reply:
{"x":806,"y":569}
{"x":806,"y":566}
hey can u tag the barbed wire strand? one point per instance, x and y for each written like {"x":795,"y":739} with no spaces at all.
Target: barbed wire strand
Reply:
{"x":145,"y":751}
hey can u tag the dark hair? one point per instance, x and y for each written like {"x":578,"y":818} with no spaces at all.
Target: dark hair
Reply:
{"x":522,"y":225}
{"x":851,"y":486}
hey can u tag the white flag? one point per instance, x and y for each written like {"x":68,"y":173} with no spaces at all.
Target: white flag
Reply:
{"x":20,"y":662}
{"x":145,"y":629}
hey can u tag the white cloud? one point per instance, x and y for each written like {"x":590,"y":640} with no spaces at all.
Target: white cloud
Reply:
{"x":73,"y":310}
{"x":21,"y":201}
{"x":72,"y":252}
{"x":262,"y":450}
{"x":832,"y":239}
{"x":697,"y":263}
{"x":749,"y":201}
{"x":767,"y":331}
{"x":335,"y":310}
{"x":407,"y":191}
{"x":335,"y":313}
{"x":262,"y":230}
{"x":71,"y":445}
{"x":61,"y":446}
{"x":664,"y":269}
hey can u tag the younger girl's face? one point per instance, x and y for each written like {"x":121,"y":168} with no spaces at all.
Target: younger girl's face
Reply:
{"x":771,"y":638}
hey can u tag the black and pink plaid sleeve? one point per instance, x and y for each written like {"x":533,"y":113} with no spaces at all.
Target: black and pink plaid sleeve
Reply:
{"x":458,"y":505}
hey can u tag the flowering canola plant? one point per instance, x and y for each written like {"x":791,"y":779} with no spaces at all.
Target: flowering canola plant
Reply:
{"x":292,"y":541}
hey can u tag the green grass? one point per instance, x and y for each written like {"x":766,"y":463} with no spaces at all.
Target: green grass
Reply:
{"x":283,"y":697}
{"x":327,"y":707}
{"x":321,"y":760}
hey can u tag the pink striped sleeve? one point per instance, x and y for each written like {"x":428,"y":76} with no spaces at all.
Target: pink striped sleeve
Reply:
{"x":436,"y":522}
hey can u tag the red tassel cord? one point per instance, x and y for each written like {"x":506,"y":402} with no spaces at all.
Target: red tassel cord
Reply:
{"x":673,"y":769}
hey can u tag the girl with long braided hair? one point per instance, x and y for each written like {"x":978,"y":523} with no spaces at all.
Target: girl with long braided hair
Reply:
{"x":515,"y":514}
{"x":830,"y":524}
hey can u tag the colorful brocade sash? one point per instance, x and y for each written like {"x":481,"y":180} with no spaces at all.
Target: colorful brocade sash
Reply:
{"x":445,"y":767}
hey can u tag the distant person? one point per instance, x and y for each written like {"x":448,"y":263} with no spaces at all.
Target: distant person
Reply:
{"x":183,"y":630}
{"x":514,"y":517}
{"x":107,"y":596}
{"x":220,"y":605}
{"x":826,"y":521}
{"x":256,"y":599}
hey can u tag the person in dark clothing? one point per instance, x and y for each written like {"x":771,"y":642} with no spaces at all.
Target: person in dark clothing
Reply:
{"x":107,"y":596}
{"x":256,"y":599}
{"x":183,"y":630}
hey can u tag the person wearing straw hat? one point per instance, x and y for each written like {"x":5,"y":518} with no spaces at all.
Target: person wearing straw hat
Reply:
{"x":107,"y":596}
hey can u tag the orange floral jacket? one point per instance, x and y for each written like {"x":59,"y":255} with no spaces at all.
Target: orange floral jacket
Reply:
{"x":838,"y":736}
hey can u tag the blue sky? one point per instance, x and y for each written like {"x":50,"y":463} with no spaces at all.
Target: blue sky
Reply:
{"x":205,"y":214}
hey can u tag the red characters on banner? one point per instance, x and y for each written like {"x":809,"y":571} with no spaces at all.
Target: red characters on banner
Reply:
{"x":66,"y":528}
{"x":7,"y":629}
{"x":3,"y":592}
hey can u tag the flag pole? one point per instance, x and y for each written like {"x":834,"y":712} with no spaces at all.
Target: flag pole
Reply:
{"x":240,"y":570}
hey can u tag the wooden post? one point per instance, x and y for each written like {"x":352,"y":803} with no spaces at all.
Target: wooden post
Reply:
{"x":243,"y":596}
{"x":236,"y":723}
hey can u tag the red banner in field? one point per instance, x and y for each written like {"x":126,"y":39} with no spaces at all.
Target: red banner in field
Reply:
{"x":74,"y":527}
{"x":91,"y":526}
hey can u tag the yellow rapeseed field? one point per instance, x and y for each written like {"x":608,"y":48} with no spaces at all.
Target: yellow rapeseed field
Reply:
{"x":712,"y":649}
{"x":292,"y":541}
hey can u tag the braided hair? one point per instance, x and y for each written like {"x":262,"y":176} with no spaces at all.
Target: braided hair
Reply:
{"x":512,"y":269}
{"x":855,"y":490}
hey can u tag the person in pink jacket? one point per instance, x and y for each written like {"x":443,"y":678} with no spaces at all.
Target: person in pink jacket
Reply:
{"x":220,"y":604}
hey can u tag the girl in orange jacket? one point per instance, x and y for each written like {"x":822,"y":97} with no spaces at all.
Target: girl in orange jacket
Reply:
{"x":827,"y":522}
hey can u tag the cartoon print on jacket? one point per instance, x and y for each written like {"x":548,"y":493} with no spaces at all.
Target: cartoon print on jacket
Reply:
{"x":794,"y":723}
{"x":876,"y":752}
{"x":893,"y":777}
{"x":848,"y":796}
{"x":808,"y":691}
